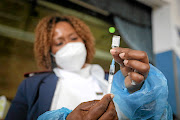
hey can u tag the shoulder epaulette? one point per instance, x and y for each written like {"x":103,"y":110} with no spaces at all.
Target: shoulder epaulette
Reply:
{"x":30,"y":74}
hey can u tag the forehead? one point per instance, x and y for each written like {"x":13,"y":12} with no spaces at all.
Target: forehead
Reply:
{"x":63,"y":28}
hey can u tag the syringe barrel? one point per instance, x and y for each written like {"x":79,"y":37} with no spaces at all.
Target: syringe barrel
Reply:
{"x":112,"y":69}
{"x":110,"y":78}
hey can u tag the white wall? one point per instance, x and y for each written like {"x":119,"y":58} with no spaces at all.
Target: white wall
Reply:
{"x":161,"y":29}
{"x":165,"y":22}
{"x":176,"y":23}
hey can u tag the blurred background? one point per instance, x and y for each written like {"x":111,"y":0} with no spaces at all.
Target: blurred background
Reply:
{"x":149,"y":25}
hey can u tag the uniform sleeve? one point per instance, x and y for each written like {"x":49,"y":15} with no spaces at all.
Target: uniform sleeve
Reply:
{"x":150,"y":102}
{"x":19,"y":107}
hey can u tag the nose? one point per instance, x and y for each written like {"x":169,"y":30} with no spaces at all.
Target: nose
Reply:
{"x":67,"y":41}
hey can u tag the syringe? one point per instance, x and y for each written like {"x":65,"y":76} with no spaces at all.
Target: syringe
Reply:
{"x":115,"y":43}
{"x":111,"y":74}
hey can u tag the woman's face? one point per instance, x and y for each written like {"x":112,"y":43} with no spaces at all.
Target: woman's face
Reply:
{"x":63,"y":34}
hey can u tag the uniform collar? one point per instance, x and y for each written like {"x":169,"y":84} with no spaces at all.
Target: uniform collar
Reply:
{"x":84,"y":72}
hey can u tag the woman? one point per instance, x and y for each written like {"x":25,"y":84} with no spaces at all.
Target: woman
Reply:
{"x":65,"y":46}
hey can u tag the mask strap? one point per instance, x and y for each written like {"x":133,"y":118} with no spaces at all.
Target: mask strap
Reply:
{"x":52,"y":54}
{"x":53,"y":63}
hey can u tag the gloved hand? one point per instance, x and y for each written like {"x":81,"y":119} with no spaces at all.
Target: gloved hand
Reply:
{"x":134,"y":65}
{"x":103,"y":109}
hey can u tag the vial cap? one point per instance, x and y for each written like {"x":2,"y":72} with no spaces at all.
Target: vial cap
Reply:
{"x":115,"y":41}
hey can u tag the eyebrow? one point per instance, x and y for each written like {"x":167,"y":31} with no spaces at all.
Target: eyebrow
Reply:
{"x":72,"y":33}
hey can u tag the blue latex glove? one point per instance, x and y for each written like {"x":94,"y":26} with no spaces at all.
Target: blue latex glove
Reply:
{"x":150,"y":102}
{"x":60,"y":114}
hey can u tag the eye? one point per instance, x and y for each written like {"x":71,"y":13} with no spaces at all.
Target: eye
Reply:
{"x":59,"y":44}
{"x":74,"y":38}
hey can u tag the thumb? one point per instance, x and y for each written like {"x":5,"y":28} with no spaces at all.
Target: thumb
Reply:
{"x":99,"y":108}
{"x":85,"y":106}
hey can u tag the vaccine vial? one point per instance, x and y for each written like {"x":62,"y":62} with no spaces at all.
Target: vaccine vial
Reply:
{"x":115,"y":41}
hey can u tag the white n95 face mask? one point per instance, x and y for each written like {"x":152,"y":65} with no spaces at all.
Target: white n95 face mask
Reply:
{"x":71,"y":57}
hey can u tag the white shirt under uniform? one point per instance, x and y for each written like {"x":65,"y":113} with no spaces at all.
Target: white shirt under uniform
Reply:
{"x":74,"y":88}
